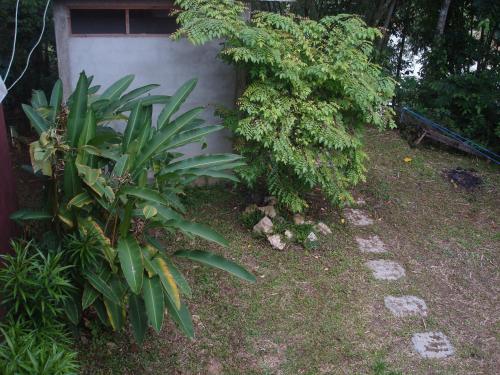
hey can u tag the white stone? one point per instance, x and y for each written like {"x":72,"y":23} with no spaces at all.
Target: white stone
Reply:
{"x":360,"y":201}
{"x":288,"y":234}
{"x":268,"y":211}
{"x":323,"y":228}
{"x":372,"y":244}
{"x":385,"y":269}
{"x":275,"y":241}
{"x":432,"y":345}
{"x":312,"y":237}
{"x":406,"y":306}
{"x":357,"y":217}
{"x":265,"y":225}
{"x":298,"y":219}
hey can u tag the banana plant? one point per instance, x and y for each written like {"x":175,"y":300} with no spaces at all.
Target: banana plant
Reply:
{"x":110,"y":189}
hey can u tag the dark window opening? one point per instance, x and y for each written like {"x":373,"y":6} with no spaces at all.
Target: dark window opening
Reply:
{"x":98,"y":21}
{"x":151,"y":22}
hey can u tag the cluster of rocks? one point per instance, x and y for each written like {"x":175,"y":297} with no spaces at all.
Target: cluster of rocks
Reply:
{"x":279,"y":241}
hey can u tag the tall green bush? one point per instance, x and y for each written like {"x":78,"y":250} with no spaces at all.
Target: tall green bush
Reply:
{"x":310,"y":90}
{"x":108,"y":190}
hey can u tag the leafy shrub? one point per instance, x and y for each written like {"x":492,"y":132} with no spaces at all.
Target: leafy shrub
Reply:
{"x":467,"y":103}
{"x":250,"y":218}
{"x":41,"y":351}
{"x":109,"y":189}
{"x":34,"y":285}
{"x":311,"y":88}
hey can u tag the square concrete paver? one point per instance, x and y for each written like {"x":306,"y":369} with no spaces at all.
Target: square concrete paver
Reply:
{"x":432,"y":345}
{"x":406,"y":306}
{"x":372,"y":244}
{"x":385,"y":269}
{"x":357,"y":217}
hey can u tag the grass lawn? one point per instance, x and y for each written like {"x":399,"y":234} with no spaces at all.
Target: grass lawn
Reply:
{"x":320,"y":311}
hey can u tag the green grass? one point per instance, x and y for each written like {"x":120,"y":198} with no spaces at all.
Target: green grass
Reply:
{"x":319,"y":311}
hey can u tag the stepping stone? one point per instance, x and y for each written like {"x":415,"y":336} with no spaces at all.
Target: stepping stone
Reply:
{"x":357,"y":217}
{"x":406,"y":306}
{"x":372,"y":244}
{"x":385,"y":269}
{"x":432,"y":345}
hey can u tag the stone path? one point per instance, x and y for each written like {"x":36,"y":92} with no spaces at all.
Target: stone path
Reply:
{"x":432,"y":345}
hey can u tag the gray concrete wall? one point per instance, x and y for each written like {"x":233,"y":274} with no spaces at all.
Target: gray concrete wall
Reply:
{"x":152,"y":59}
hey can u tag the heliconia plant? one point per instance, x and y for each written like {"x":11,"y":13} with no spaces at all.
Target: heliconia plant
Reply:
{"x":109,"y":189}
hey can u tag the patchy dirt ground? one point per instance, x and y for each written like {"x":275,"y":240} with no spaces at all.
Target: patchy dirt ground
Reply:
{"x":321,"y":311}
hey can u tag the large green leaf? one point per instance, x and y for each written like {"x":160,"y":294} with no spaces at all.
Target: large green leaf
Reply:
{"x":181,"y":281}
{"x":38,"y":99}
{"x":36,"y":120}
{"x":88,"y":129}
{"x":120,"y":166}
{"x":200,"y":230}
{"x":138,"y":317}
{"x":216,"y":261}
{"x":72,"y":308}
{"x":182,"y":317}
{"x":29,"y":214}
{"x":103,"y":287}
{"x":201,"y":161}
{"x":145,"y":101}
{"x":209,"y":173}
{"x":144,"y":193}
{"x":115,"y":314}
{"x":137,"y":92}
{"x":167,"y":279}
{"x":133,"y":126}
{"x":153,"y":297}
{"x":162,"y":137}
{"x":175,"y":102}
{"x":118,"y":88}
{"x":190,"y":136}
{"x":131,"y":262}
{"x":77,"y":110}
{"x":80,"y":200}
{"x":56,"y":98}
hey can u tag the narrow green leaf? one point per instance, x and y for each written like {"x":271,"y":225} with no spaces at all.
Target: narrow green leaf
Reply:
{"x":29,"y":214}
{"x":162,"y":270}
{"x":73,"y":309}
{"x":38,"y":99}
{"x":131,"y":262}
{"x":144,"y":193}
{"x":133,"y":126}
{"x":36,"y":120}
{"x":56,"y":98}
{"x":103,"y":287}
{"x":88,"y":129}
{"x":101,"y":312}
{"x":115,"y":314}
{"x":137,"y":92}
{"x":80,"y":200}
{"x":145,"y":101}
{"x":118,"y":88}
{"x":77,"y":110}
{"x":181,"y":281}
{"x":216,"y":261}
{"x":89,"y":296}
{"x":153,"y":297}
{"x":200,"y":230}
{"x":138,"y":317}
{"x":202,"y":161}
{"x":120,"y":166}
{"x":190,"y":136}
{"x":175,"y":102}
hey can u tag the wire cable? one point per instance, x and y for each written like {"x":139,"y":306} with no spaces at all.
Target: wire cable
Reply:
{"x":34,"y":47}
{"x":13,"y":43}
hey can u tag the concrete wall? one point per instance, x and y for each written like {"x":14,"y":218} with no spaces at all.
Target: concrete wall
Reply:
{"x":152,"y":59}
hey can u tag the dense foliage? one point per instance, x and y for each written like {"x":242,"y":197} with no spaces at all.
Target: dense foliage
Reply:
{"x":310,"y":89}
{"x":108,"y":191}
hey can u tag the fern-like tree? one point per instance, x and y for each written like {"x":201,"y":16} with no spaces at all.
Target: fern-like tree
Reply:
{"x":310,"y":90}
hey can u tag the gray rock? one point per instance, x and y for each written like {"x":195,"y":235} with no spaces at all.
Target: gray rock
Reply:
{"x":323,"y":228}
{"x":406,"y":306}
{"x":357,"y":217}
{"x":288,"y":234}
{"x":372,"y":244}
{"x":312,"y":237}
{"x":275,"y":241}
{"x":385,"y":269}
{"x":265,"y":225}
{"x":298,"y":219}
{"x":268,"y":211}
{"x":432,"y":345}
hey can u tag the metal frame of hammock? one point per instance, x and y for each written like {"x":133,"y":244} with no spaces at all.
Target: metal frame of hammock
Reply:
{"x":444,"y":135}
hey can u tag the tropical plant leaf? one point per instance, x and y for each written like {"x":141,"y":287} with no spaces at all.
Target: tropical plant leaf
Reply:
{"x":201,"y":162}
{"x":101,"y":312}
{"x":103,"y":287}
{"x":135,"y":93}
{"x":114,"y":312}
{"x":120,"y":166}
{"x":72,"y":308}
{"x":29,"y":214}
{"x":80,"y":200}
{"x":77,"y":110}
{"x":147,"y":194}
{"x":56,"y":98}
{"x":38,"y":99}
{"x":153,"y":297}
{"x":131,"y":262}
{"x":190,"y":136}
{"x":149,"y":211}
{"x":118,"y":88}
{"x":138,"y":317}
{"x":162,"y":270}
{"x":175,"y":102}
{"x":200,"y":230}
{"x":216,"y":261}
{"x":133,"y":126}
{"x":89,"y":296}
{"x":181,"y":316}
{"x":37,"y":121}
{"x":145,"y":101}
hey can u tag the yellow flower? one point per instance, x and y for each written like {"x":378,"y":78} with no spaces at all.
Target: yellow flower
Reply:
{"x":342,"y":221}
{"x":407,"y":159}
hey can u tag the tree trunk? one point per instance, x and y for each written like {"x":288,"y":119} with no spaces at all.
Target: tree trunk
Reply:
{"x":385,"y":27}
{"x":443,"y":14}
{"x":399,"y":65}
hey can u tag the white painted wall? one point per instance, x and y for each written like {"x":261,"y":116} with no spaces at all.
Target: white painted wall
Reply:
{"x":152,"y":59}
